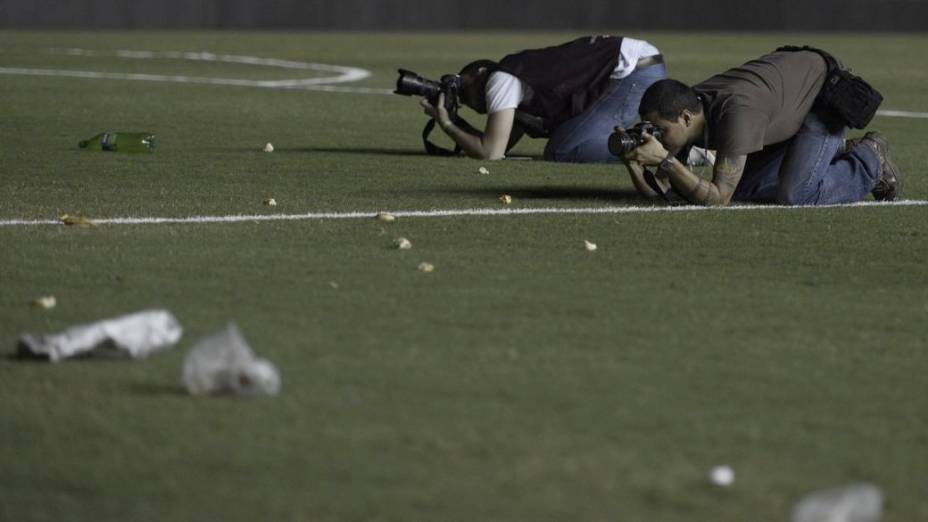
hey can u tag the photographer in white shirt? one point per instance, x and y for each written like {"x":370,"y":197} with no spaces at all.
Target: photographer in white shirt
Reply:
{"x":574,"y":94}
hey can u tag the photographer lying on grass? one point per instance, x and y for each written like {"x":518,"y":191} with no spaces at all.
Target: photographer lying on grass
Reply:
{"x":574,"y":94}
{"x":778,"y":133}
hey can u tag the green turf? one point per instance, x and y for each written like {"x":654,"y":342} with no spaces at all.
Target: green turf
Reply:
{"x":525,"y":379}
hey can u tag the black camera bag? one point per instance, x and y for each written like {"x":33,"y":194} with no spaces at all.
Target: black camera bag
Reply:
{"x":846,"y":99}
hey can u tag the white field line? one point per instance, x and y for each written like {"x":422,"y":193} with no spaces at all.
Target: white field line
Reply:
{"x":453,"y":213}
{"x":345,"y":73}
{"x":902,"y":114}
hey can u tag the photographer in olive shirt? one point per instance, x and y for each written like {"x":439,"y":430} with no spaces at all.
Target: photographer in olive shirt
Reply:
{"x":772,"y":145}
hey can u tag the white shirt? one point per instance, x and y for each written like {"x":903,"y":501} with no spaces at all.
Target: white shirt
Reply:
{"x":505,"y":91}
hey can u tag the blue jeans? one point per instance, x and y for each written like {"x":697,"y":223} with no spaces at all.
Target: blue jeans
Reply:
{"x":811,"y":168}
{"x":584,"y":138}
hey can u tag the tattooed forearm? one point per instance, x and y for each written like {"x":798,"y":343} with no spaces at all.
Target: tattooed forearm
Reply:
{"x":728,"y":172}
{"x":702,"y":192}
{"x":699,"y":190}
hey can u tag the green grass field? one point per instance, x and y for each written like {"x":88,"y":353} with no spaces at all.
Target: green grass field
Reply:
{"x":524,"y":379}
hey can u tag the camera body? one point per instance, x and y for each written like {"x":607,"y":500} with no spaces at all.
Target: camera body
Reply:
{"x":622,"y":142}
{"x":411,"y":84}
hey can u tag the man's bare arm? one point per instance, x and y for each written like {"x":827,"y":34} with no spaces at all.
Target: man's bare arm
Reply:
{"x":514,"y":136}
{"x":718,"y":192}
{"x":491,"y":144}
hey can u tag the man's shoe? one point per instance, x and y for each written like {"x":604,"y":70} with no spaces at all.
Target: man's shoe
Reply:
{"x":889,"y":186}
{"x":850,"y":143}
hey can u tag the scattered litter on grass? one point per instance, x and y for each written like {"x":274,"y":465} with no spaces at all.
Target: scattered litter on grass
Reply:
{"x":426,"y":267}
{"x":386,"y":216}
{"x":46,"y":302}
{"x":224,"y":363}
{"x":269,"y":147}
{"x":854,"y":503}
{"x":722,"y":476}
{"x":333,"y":284}
{"x":402,"y":243}
{"x":271,"y":202}
{"x":134,"y":336}
{"x":591,"y":247}
{"x":483,"y":170}
{"x":80,"y":221}
{"x":505,"y":199}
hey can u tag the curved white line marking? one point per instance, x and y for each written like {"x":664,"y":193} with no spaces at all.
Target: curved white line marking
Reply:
{"x":343,"y":74}
{"x":455,"y":213}
{"x":314,"y":84}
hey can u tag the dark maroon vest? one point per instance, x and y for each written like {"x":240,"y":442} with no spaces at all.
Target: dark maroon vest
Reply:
{"x":565,"y":79}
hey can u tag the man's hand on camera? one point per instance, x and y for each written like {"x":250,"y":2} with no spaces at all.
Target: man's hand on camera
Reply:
{"x":437,"y":112}
{"x":652,"y":152}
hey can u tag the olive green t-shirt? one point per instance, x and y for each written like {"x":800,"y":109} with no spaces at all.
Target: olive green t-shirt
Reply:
{"x":761,"y":102}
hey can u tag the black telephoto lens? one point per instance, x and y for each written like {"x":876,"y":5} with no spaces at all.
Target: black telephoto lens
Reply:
{"x":621,"y":143}
{"x":411,"y":84}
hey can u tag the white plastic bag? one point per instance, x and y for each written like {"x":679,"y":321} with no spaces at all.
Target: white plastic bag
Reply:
{"x":223,"y":363}
{"x":135,"y":336}
{"x":700,"y":157}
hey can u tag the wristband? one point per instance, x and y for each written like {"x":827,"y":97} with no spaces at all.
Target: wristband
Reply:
{"x":667,"y":164}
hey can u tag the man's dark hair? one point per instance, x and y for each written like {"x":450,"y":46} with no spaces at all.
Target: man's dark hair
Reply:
{"x":669,"y":98}
{"x":472,"y":68}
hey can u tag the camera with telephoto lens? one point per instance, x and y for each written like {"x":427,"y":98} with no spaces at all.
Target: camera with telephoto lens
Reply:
{"x":411,"y":84}
{"x":621,"y":142}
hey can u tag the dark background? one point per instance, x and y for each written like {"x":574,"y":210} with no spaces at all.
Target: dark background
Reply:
{"x":796,"y":15}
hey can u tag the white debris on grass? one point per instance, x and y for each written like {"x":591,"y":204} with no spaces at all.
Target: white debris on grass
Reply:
{"x":402,"y":243}
{"x":386,"y":216}
{"x":483,"y":170}
{"x":854,"y":503}
{"x":591,"y":247}
{"x":269,"y":147}
{"x":426,"y":267}
{"x":75,"y":220}
{"x":505,"y":199}
{"x":271,"y":202}
{"x":46,"y":302}
{"x":722,"y":476}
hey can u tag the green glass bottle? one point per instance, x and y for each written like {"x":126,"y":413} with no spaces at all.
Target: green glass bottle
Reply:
{"x":120,"y":142}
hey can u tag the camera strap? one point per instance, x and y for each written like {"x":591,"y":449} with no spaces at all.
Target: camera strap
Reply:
{"x":435,"y":150}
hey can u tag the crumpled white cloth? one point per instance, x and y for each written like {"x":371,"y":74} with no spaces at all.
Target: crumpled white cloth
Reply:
{"x":224,"y":363}
{"x":854,"y":503}
{"x":135,"y":336}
